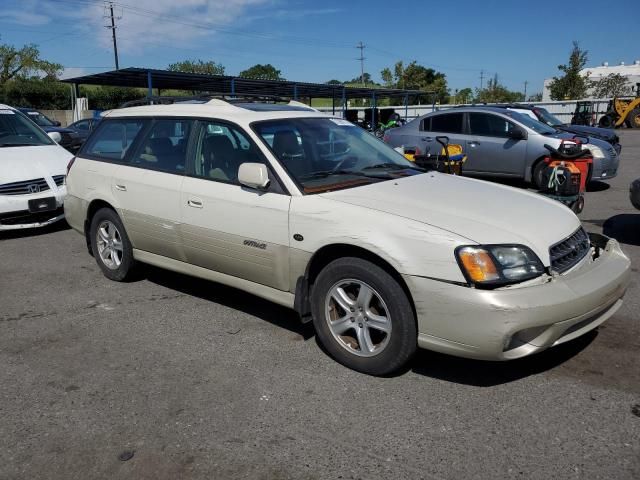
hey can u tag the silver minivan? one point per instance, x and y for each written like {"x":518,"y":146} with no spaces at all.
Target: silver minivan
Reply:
{"x":497,"y":142}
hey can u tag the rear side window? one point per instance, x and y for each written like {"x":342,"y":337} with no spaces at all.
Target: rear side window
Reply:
{"x":425,"y":124}
{"x":111,"y":141}
{"x":447,"y":123}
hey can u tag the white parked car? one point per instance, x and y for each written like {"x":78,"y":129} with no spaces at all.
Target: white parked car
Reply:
{"x":32,"y":173}
{"x":316,"y":214}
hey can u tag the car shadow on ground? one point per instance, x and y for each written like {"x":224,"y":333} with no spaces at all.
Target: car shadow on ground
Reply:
{"x":34,"y":232}
{"x":229,"y":297}
{"x":624,"y":227}
{"x":480,"y":373}
{"x":597,"y":186}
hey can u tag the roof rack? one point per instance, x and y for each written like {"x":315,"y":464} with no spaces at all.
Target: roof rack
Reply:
{"x":244,"y":98}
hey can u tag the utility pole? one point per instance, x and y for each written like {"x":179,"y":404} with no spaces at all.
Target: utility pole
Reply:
{"x":113,"y":32}
{"x":361,"y":47}
{"x":481,"y":79}
{"x":525,"y":90}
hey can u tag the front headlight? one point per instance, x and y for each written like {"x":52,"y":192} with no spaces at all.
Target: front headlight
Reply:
{"x":596,"y":151}
{"x":497,"y":265}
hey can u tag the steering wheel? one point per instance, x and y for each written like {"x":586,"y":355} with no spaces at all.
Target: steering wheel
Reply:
{"x":340,"y":166}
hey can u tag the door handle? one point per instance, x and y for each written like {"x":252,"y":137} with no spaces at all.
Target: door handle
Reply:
{"x":474,"y":144}
{"x":427,"y":139}
{"x":194,"y":203}
{"x":122,"y":188}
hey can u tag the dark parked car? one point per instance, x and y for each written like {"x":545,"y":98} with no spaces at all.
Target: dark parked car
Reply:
{"x":634,"y":193}
{"x":70,"y":139}
{"x":542,"y":115}
{"x":84,"y":127}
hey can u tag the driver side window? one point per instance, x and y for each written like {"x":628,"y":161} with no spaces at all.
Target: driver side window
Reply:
{"x":220,"y":150}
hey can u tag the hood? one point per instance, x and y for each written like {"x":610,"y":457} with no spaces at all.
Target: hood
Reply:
{"x":27,"y":163}
{"x":602,"y":133}
{"x":483,"y":212}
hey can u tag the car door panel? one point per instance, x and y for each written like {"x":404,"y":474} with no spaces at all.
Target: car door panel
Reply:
{"x":489,"y":149}
{"x":227,"y":227}
{"x":236,"y":231}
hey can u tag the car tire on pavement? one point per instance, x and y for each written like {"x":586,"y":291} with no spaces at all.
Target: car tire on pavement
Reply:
{"x":111,"y":246}
{"x":363,"y":317}
{"x":536,"y":177}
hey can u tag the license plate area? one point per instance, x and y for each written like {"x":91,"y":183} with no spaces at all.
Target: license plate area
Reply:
{"x":42,"y":204}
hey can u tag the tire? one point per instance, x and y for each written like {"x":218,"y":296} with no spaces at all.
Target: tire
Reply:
{"x":107,"y":232}
{"x":633,"y":118}
{"x":606,"y":122}
{"x":382,"y":322}
{"x":536,"y":176}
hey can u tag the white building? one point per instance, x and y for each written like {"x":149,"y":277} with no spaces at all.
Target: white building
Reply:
{"x":631,"y":72}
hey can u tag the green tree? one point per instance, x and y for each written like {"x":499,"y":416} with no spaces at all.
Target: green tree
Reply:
{"x":417,"y":77}
{"x":612,"y":85}
{"x":366,"y":78}
{"x":198,"y":66}
{"x":24,"y":63}
{"x":465,"y":95}
{"x":262,"y":72}
{"x":334,"y":82}
{"x":572,"y":85}
{"x":495,"y":92}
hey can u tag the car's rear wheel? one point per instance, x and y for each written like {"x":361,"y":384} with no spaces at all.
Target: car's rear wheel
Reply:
{"x":363,"y":317}
{"x":111,"y":246}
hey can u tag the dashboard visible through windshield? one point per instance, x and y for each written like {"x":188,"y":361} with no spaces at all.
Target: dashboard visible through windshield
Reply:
{"x":323,"y":154}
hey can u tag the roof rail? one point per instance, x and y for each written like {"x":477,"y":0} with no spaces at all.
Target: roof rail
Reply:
{"x":208,"y":98}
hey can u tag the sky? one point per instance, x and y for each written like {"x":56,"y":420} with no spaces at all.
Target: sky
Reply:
{"x":315,"y":41}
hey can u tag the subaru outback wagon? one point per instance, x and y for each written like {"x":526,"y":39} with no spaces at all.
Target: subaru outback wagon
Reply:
{"x":317,"y":215}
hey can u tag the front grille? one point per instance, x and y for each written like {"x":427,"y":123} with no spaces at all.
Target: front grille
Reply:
{"x":570,"y":251}
{"x":24,"y":187}
{"x":59,"y":179}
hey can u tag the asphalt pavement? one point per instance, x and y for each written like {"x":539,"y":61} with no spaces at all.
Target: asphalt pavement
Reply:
{"x":169,"y":377}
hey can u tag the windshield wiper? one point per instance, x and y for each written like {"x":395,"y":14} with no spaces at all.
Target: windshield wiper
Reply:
{"x":392,"y":166}
{"x":328,"y":173}
{"x":18,"y":144}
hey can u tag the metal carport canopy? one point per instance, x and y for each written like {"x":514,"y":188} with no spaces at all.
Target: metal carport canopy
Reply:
{"x":229,"y":85}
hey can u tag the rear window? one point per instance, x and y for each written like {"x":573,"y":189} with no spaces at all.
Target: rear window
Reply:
{"x":447,"y":123}
{"x":112,"y":139}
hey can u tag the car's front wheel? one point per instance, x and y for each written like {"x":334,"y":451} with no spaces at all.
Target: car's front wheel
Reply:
{"x":363,"y":317}
{"x":111,"y":246}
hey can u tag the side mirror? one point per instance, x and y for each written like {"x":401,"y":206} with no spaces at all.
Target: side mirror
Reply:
{"x":253,"y":175}
{"x":56,"y":123}
{"x":55,"y":136}
{"x":517,"y":134}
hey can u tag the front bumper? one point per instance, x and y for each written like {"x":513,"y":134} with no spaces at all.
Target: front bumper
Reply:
{"x":605,"y":168}
{"x":516,"y":321}
{"x":15,"y":214}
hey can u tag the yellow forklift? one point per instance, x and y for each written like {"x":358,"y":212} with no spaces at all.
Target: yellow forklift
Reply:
{"x":622,"y":111}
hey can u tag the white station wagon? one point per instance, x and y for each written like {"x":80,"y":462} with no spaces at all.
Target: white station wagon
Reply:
{"x":314,"y":213}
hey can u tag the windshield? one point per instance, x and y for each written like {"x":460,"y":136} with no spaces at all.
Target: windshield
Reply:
{"x":323,"y":154}
{"x":529,"y":122}
{"x":40,"y":119}
{"x":16,"y":130}
{"x":547,"y":117}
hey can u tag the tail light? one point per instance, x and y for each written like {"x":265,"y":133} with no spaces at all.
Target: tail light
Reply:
{"x":70,"y":164}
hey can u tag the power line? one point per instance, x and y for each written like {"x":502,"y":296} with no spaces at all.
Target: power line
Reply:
{"x":361,"y":46}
